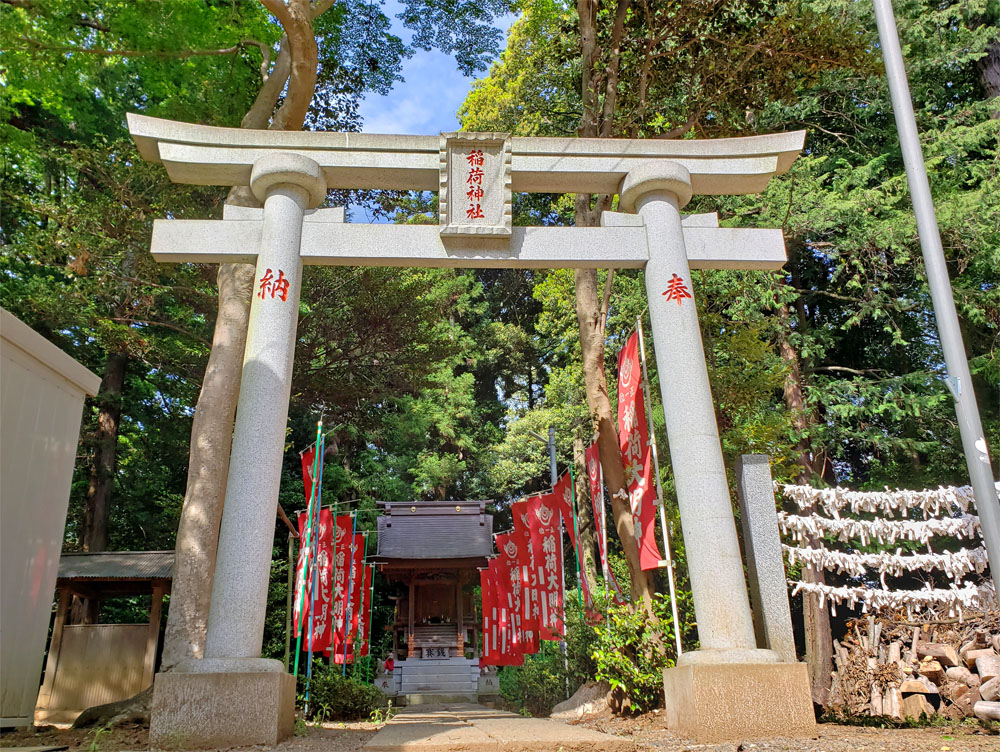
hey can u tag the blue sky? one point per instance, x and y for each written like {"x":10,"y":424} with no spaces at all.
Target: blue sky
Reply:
{"x":426,"y":102}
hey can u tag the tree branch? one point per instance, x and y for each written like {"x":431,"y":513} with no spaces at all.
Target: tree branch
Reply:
{"x":304,"y":53}
{"x":34,"y":45}
{"x":174,"y":327}
{"x":845,"y":369}
{"x":613,"y":70}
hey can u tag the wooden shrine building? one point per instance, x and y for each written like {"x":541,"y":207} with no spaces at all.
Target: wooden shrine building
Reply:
{"x":94,"y":664}
{"x":433,"y":550}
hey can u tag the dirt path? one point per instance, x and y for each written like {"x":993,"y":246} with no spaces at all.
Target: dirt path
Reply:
{"x":330,"y":737}
{"x":650,"y":732}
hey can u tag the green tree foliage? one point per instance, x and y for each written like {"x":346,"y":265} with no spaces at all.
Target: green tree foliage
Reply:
{"x":861,"y":319}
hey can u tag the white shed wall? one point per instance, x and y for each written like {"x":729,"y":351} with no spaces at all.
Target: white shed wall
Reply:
{"x":41,"y":402}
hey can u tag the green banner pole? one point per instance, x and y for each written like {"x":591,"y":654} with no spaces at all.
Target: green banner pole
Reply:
{"x":301,"y":595}
{"x":576,"y":537}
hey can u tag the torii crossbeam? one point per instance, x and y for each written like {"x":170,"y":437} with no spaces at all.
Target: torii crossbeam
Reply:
{"x":475,"y":175}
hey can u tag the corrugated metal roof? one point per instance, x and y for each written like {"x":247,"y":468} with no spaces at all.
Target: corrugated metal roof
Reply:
{"x":117,"y":565}
{"x":434,"y":530}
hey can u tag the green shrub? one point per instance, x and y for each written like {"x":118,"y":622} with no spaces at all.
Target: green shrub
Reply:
{"x":337,"y":698}
{"x":631,"y":652}
{"x":540,"y":684}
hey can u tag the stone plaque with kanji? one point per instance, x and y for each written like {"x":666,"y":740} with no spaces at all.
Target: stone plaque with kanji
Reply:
{"x":475,"y":198}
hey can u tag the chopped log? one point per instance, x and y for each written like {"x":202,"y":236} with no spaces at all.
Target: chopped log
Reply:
{"x":996,"y":642}
{"x":944,"y":654}
{"x":913,"y":642}
{"x":987,"y":665}
{"x":973,"y":654}
{"x":961,"y":697}
{"x":895,"y":652}
{"x":921,"y":685}
{"x":875,"y":704}
{"x":932,"y":670}
{"x":963,"y":675}
{"x":990,"y":690}
{"x":891,"y":704}
{"x":915,"y":705}
{"x":988,"y":711}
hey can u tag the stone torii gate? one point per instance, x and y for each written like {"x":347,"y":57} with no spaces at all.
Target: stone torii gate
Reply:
{"x":232,"y":696}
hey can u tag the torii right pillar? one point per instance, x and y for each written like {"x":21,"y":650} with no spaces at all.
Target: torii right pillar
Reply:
{"x":730,"y":688}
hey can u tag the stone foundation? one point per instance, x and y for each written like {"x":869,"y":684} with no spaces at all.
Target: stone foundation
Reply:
{"x":730,"y":702}
{"x":218,"y":710}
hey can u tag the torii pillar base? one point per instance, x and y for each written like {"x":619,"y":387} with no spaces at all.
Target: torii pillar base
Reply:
{"x":221,"y":709}
{"x":726,"y":702}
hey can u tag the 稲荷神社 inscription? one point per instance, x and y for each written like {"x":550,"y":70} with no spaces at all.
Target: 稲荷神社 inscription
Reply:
{"x":475,"y":175}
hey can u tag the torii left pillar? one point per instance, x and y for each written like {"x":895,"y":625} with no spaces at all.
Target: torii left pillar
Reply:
{"x":233,"y":697}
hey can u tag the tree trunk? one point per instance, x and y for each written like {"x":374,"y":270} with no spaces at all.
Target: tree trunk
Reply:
{"x":102,"y":473}
{"x":597,"y":120}
{"x":212,"y":431}
{"x":989,"y":71}
{"x":102,"y":470}
{"x":208,"y":470}
{"x":818,"y":636}
{"x":588,"y":314}
{"x":587,"y":530}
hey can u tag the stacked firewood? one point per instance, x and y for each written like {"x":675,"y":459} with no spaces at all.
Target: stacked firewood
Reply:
{"x":888,"y":666}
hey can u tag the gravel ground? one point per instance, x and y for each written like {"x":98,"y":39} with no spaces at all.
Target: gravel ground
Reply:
{"x":649,"y":732}
{"x":331,"y":737}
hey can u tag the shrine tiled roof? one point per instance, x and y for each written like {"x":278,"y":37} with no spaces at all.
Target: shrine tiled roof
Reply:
{"x":117,"y":565}
{"x":434,"y":530}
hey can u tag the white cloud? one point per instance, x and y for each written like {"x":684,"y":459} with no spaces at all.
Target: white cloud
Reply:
{"x":427,"y":101}
{"x":424,"y":104}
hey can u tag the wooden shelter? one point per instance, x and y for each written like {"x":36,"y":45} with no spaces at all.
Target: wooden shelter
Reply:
{"x":93,"y":664}
{"x":434,"y":549}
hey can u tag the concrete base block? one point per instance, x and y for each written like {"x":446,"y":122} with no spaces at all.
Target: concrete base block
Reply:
{"x":717,"y":703}
{"x":207,"y":711}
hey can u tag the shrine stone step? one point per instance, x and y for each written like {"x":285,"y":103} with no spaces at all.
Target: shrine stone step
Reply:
{"x":434,"y":681}
{"x":438,"y":684}
{"x":439,"y":698}
{"x":441,"y":669}
{"x":469,"y":662}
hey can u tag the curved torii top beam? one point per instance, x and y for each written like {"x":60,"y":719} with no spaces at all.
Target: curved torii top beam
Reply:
{"x":208,"y":155}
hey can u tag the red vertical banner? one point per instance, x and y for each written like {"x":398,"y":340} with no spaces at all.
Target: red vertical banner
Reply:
{"x":543,"y":525}
{"x":563,"y":492}
{"x":303,"y":584}
{"x":529,"y":578}
{"x":507,"y":650}
{"x":487,"y":653}
{"x":637,"y":456}
{"x":323,"y":617}
{"x":506,"y":572}
{"x":592,"y":458}
{"x":308,"y":459}
{"x":347,"y":625}
{"x":364,"y":633}
{"x":343,"y":531}
{"x":521,"y":539}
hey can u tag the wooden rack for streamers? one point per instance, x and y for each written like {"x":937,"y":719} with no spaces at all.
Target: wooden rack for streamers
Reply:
{"x":945,"y":513}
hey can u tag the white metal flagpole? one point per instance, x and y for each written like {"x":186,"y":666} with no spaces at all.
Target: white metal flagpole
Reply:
{"x":959,"y":380}
{"x":668,"y":561}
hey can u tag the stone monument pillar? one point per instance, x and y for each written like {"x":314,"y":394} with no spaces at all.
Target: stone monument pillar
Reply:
{"x":232,"y":696}
{"x":729,"y":685}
